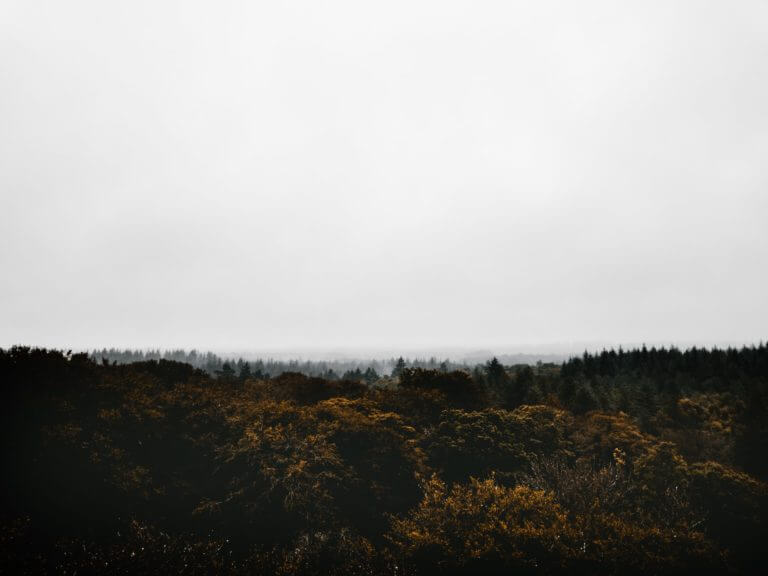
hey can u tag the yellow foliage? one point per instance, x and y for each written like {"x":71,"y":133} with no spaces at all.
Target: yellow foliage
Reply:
{"x":483,"y":521}
{"x":598,"y":434}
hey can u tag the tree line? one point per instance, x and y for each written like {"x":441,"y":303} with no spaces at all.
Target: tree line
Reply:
{"x":264,"y":368}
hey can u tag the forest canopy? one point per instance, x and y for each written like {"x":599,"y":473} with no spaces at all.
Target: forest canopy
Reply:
{"x":633,"y":462}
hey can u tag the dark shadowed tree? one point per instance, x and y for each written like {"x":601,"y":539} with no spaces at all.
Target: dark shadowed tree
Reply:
{"x":399,"y":367}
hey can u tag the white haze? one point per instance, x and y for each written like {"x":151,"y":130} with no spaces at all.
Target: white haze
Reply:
{"x":272,"y":175}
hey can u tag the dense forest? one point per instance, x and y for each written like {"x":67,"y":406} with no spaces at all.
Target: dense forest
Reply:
{"x":647,"y":461}
{"x":264,"y":368}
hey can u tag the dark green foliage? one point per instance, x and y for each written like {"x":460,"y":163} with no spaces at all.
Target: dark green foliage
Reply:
{"x":399,"y":367}
{"x":305,"y":390}
{"x":458,"y":387}
{"x":226,"y":372}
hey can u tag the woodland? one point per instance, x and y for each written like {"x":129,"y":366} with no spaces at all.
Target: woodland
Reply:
{"x":642,"y":461}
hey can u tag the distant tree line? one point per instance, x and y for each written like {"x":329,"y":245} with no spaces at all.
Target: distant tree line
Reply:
{"x":215,"y":365}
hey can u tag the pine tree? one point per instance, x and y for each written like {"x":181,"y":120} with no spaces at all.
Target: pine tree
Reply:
{"x":399,"y":367}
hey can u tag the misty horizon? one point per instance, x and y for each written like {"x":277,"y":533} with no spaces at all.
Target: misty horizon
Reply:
{"x":557,"y":352}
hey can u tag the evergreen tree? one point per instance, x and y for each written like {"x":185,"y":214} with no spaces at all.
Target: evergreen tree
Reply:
{"x":370,"y":375}
{"x":399,"y":367}
{"x":226,"y":372}
{"x":495,"y":372}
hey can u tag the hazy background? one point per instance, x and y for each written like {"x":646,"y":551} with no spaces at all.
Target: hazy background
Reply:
{"x":292,"y":175}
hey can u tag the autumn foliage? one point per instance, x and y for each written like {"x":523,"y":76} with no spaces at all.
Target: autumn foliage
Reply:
{"x":632,"y":463}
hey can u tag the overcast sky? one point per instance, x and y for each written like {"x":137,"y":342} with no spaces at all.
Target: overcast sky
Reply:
{"x":251,"y":175}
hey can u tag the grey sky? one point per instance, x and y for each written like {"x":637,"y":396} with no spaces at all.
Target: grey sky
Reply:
{"x":410,"y":174}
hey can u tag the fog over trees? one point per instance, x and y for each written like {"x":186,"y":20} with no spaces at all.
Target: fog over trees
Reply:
{"x":334,"y":367}
{"x":383,"y":288}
